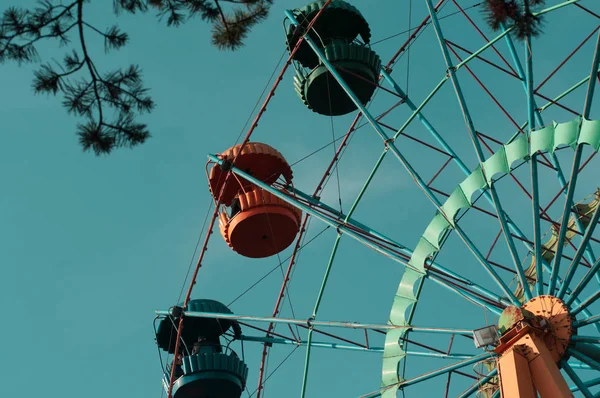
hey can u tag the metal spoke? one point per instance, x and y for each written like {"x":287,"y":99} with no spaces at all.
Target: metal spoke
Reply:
{"x":537,"y":234}
{"x":475,"y":387}
{"x":573,"y":267}
{"x":472,"y":134}
{"x":590,"y":383}
{"x":565,"y":220}
{"x":333,"y":324}
{"x":444,"y":370}
{"x":391,"y":146}
{"x":587,"y":321}
{"x":578,"y":382}
{"x":468,"y":296}
{"x":504,"y":223}
{"x":430,"y":375}
{"x":401,"y":248}
{"x":574,"y":173}
{"x":348,"y":347}
{"x":554,"y":161}
{"x":586,"y":339}
{"x":590,"y":299}
{"x":584,"y":358}
{"x":347,"y":229}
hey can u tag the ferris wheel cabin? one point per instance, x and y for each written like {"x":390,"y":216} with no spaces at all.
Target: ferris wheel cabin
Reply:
{"x":336,"y":33}
{"x":258,"y":223}
{"x":203,"y":367}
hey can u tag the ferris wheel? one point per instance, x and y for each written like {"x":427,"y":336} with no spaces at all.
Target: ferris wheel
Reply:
{"x":496,"y":276}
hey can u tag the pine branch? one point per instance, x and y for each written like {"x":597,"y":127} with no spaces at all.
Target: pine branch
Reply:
{"x":519,"y":13}
{"x":110,"y":102}
{"x":230,"y":27}
{"x":95,"y":97}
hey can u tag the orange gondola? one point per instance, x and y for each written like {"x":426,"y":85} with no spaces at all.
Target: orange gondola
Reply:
{"x":257,"y":159}
{"x":265,"y":225}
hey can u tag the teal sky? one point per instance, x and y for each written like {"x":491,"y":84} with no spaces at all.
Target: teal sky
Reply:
{"x":91,"y":246}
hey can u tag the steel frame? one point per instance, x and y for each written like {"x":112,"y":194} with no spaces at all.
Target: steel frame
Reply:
{"x":505,"y":223}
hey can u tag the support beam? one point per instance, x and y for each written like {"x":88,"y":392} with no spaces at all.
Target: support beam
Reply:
{"x":418,"y":180}
{"x":400,"y":247}
{"x":589,"y":383}
{"x":445,"y":370}
{"x":348,"y":347}
{"x":309,"y":322}
{"x":515,"y":379}
{"x":577,"y":380}
{"x":349,"y":229}
{"x":579,"y":353}
{"x":526,"y":363}
{"x":475,"y":387}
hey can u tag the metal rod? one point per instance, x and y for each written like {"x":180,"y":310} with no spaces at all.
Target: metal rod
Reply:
{"x":468,"y":296}
{"x":475,"y":387}
{"x":574,"y":264}
{"x":315,"y":312}
{"x":567,"y":58}
{"x":587,"y":278}
{"x":574,"y":174}
{"x":188,"y":296}
{"x":579,"y":365}
{"x":471,"y":129}
{"x":392,"y":147}
{"x":537,"y":234}
{"x":587,"y":321}
{"x":538,"y":117}
{"x":566,"y":216}
{"x":321,"y":344}
{"x":436,"y":266}
{"x":589,"y":383}
{"x":566,"y":92}
{"x":586,"y":339}
{"x":328,"y":270}
{"x":308,"y":322}
{"x":556,"y":7}
{"x":578,"y":382}
{"x":435,"y":373}
{"x":351,"y":231}
{"x":584,"y":358}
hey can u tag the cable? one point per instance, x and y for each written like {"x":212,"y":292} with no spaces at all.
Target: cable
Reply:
{"x":408,"y":52}
{"x":273,"y":270}
{"x":275,"y":370}
{"x":260,"y":96}
{"x":428,"y":23}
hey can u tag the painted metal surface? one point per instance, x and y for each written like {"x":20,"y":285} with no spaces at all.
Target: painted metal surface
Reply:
{"x":210,"y":226}
{"x":313,"y":322}
{"x":261,"y":160}
{"x":264,"y":226}
{"x":211,"y":375}
{"x":320,"y":92}
{"x":515,"y":379}
{"x":547,"y":140}
{"x":340,"y":19}
{"x":527,"y":364}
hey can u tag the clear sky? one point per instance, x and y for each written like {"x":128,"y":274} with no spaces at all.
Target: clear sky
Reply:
{"x":91,"y":246}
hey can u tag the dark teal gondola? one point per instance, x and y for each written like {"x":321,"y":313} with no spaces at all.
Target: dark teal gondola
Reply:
{"x":335,"y":33}
{"x":203,"y":368}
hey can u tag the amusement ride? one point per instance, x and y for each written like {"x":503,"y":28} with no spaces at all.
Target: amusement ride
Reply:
{"x":497,"y":292}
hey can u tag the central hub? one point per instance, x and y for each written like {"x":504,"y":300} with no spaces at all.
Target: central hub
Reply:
{"x":555,"y":322}
{"x":546,"y":316}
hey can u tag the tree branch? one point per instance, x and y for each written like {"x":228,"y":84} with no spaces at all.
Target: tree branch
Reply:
{"x":118,"y":95}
